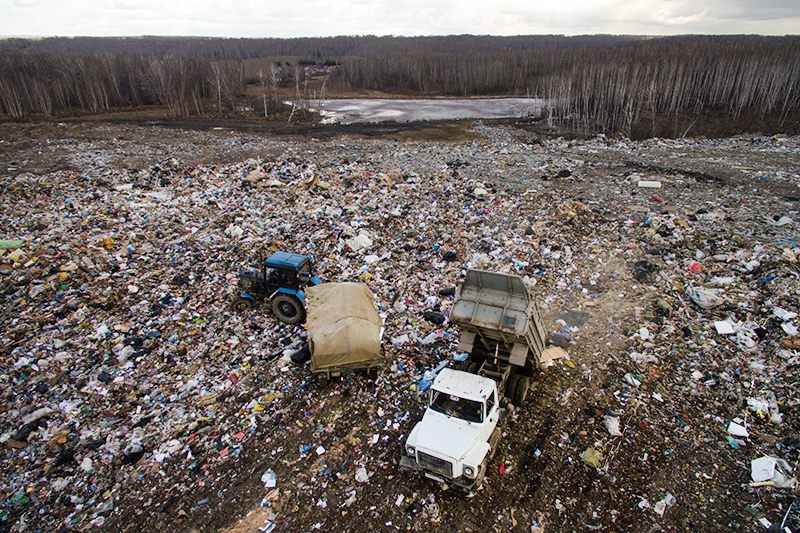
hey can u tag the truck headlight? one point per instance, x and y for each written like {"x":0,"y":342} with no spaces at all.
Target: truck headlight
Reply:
{"x":410,"y":450}
{"x":469,"y":471}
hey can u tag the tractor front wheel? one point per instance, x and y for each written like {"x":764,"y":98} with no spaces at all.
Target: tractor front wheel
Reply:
{"x":241,"y":304}
{"x":288,"y":309}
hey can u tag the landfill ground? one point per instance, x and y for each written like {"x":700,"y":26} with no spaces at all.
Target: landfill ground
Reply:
{"x":136,"y":401}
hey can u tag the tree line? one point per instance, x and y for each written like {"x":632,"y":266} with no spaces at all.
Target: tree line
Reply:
{"x":651,"y":87}
{"x":48,"y":83}
{"x":318,"y":49}
{"x":637,"y":87}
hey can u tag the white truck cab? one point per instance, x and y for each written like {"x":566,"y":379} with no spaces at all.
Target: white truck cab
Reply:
{"x":456,"y":436}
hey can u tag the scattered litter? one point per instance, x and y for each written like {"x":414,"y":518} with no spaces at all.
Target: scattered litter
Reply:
{"x":592,"y":457}
{"x":677,"y":306}
{"x":663,"y":504}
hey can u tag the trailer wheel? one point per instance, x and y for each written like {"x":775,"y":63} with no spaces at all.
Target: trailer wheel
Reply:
{"x":474,"y":367}
{"x":522,"y":391}
{"x":288,"y":309}
{"x":511,"y":387}
{"x":240,"y":304}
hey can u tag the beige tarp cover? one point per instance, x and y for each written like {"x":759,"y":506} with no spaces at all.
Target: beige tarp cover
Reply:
{"x":343,"y":328}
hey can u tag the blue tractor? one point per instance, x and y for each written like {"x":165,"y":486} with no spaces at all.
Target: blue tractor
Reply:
{"x":280,"y":280}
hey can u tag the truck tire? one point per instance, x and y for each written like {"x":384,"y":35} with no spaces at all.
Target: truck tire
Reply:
{"x":322,"y":379}
{"x":241,"y":304}
{"x":288,"y":309}
{"x":481,"y":474}
{"x":522,"y":391}
{"x":464,"y":366}
{"x":511,"y":387}
{"x":474,"y":367}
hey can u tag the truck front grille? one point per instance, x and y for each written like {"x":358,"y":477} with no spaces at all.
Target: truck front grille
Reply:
{"x":434,"y":464}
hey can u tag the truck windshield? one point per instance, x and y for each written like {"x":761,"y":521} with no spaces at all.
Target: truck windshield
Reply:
{"x":451,"y":405}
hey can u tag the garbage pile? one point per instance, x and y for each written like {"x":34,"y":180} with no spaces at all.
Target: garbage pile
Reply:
{"x":135,"y":398}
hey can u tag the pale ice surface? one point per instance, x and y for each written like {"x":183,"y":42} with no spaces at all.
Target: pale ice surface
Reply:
{"x":352,"y":110}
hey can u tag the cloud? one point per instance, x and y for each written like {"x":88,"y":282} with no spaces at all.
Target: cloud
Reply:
{"x":300,"y":18}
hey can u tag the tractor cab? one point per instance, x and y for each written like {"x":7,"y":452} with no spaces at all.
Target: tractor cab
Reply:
{"x":280,"y":279}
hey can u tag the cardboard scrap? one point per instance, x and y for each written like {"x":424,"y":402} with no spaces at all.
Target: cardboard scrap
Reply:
{"x":556,"y":352}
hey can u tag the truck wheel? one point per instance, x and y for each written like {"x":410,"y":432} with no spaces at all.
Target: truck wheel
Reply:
{"x":481,"y":474}
{"x":322,"y":379}
{"x":372,"y":373}
{"x":474,"y":367}
{"x":240,"y":304}
{"x":522,"y":391}
{"x":464,"y":366}
{"x":511,"y":386}
{"x":288,"y":309}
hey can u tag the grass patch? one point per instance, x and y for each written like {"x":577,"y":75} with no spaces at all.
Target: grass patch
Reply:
{"x":442,"y":131}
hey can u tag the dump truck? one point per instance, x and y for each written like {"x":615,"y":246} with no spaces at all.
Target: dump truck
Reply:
{"x":501,"y":330}
{"x":344,"y":330}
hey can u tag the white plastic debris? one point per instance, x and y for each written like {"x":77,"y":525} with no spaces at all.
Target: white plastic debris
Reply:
{"x":663,"y":504}
{"x":362,"y":241}
{"x":362,"y":476}
{"x":87,"y":464}
{"x":783,"y":314}
{"x":269,"y":479}
{"x":774,"y":470}
{"x":705,"y":298}
{"x":649,"y":184}
{"x":790,"y":329}
{"x":612,"y":425}
{"x":642,"y":358}
{"x":632,"y":380}
{"x":723,"y":327}
{"x":781,"y":221}
{"x":738,"y":430}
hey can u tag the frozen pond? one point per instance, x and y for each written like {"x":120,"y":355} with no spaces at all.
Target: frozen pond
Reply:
{"x":348,"y":111}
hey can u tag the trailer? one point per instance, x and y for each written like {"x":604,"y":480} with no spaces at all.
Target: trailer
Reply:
{"x":344,"y":330}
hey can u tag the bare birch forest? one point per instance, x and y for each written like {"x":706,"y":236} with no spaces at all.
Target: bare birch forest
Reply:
{"x":633,"y":86}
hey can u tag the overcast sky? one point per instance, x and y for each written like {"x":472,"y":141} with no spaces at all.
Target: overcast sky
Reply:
{"x":316,"y":18}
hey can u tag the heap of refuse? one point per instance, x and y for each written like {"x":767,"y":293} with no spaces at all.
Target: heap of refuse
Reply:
{"x":134,"y":392}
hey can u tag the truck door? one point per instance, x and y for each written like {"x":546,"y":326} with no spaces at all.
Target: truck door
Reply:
{"x":492,"y":414}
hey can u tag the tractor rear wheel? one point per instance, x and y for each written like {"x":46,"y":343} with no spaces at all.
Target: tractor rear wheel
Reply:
{"x":240,"y":304}
{"x":288,"y":309}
